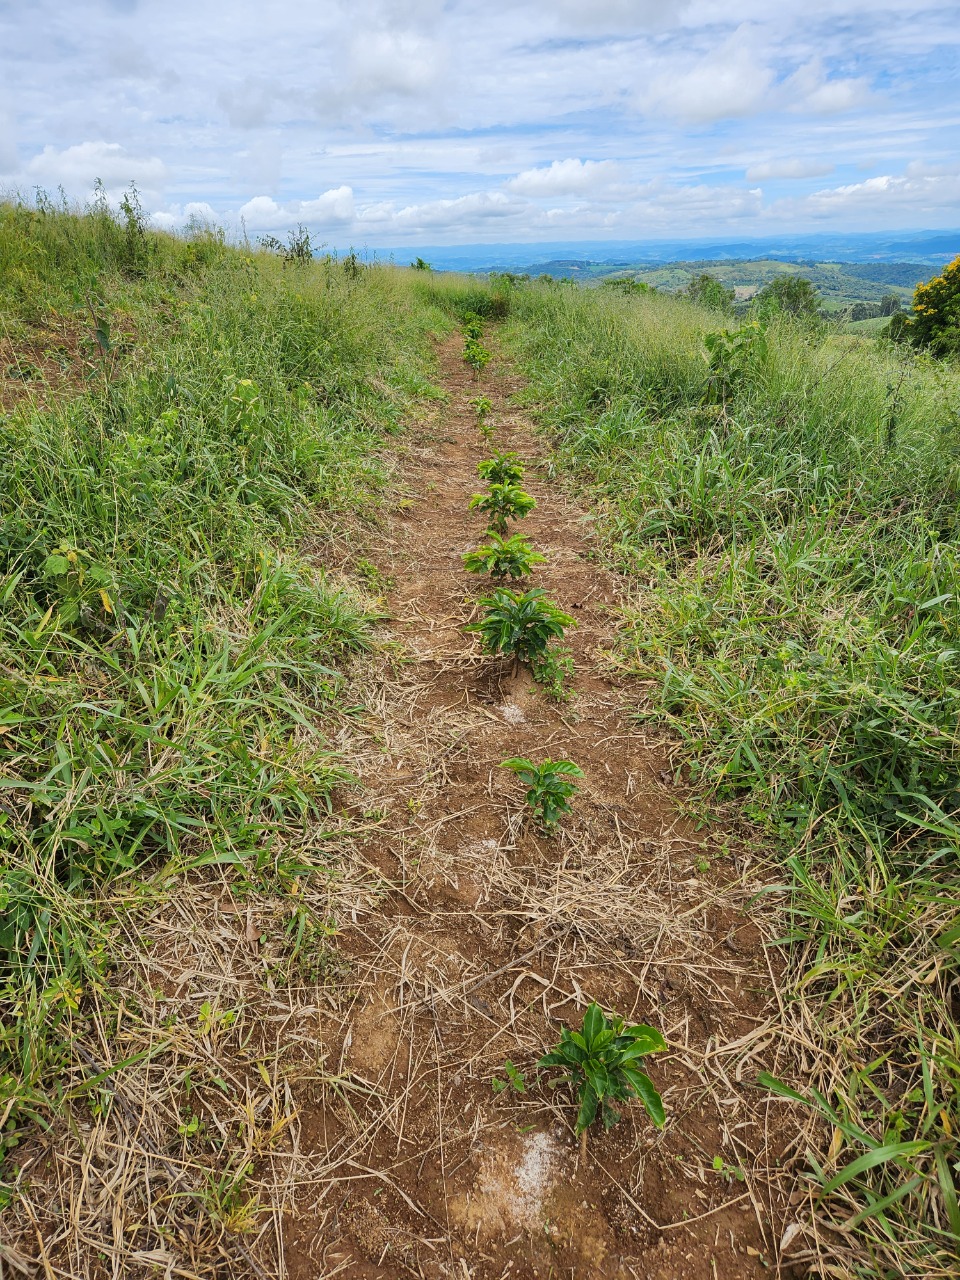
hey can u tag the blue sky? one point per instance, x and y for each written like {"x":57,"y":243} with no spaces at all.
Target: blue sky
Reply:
{"x":391,"y":123}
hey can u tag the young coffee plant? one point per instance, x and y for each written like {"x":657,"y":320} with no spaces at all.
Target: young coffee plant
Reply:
{"x":549,"y":784}
{"x":521,"y":623}
{"x":482,"y":405}
{"x":502,"y":468}
{"x":511,"y":557}
{"x":504,"y":502}
{"x":476,"y":355}
{"x":601,"y":1065}
{"x":472,"y":326}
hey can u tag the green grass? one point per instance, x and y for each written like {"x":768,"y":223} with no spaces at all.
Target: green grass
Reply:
{"x":788,"y":519}
{"x":168,"y":652}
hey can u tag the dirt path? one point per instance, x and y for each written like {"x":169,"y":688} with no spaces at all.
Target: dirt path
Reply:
{"x":491,"y":937}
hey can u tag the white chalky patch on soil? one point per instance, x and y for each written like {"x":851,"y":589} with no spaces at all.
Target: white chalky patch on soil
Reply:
{"x":535,"y":1175}
{"x":512,"y":713}
{"x":511,"y":1186}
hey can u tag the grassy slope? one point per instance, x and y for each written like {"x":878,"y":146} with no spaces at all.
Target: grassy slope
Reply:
{"x":790,"y":530}
{"x":167,"y":652}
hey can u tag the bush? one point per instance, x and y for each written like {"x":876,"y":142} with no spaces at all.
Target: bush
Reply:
{"x":707,"y":291}
{"x":936,"y":312}
{"x":791,"y":295}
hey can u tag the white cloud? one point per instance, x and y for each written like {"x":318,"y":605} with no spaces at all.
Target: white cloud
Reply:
{"x":333,"y":208}
{"x":464,"y":212}
{"x":731,"y":80}
{"x":78,"y":167}
{"x":812,"y":90}
{"x":886,"y":200}
{"x":617,"y":15}
{"x":564,"y":178}
{"x":394,"y":109}
{"x":788,"y":168}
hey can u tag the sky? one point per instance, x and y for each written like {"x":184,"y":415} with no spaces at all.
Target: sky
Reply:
{"x":396,"y":122}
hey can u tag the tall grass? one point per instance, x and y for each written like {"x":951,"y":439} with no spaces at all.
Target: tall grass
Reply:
{"x":785,"y":504}
{"x":167,"y":652}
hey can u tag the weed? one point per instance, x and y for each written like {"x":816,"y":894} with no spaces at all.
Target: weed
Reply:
{"x":550,"y":784}
{"x":520,"y":623}
{"x":501,"y":557}
{"x":502,"y":468}
{"x":601,"y":1068}
{"x":514,"y":1080}
{"x":553,"y":669}
{"x":503,"y":502}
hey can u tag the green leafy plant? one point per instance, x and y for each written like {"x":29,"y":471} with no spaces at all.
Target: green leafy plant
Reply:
{"x":552,"y":670}
{"x":936,"y":312}
{"x":472,"y":326}
{"x":502,"y":468}
{"x":476,"y":355}
{"x":500,"y":557}
{"x":521,"y":623}
{"x":549,"y":784}
{"x":504,"y":502}
{"x":514,"y":1079}
{"x":601,"y":1066}
{"x":482,"y":406}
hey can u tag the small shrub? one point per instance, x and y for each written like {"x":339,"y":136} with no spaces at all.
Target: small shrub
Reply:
{"x":549,"y":786}
{"x":936,"y":312}
{"x":511,"y":557}
{"x":472,"y":326}
{"x":482,"y":406}
{"x":520,"y":623}
{"x":502,"y":468}
{"x":790,"y":295}
{"x":504,"y":502}
{"x":600,"y":1062}
{"x":476,"y":355}
{"x":708,"y":291}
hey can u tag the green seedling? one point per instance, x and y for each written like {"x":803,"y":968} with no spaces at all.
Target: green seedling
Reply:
{"x":549,"y":784}
{"x":472,"y":326}
{"x":514,"y":1079}
{"x":601,"y":1067}
{"x":511,"y":557}
{"x":476,"y":355}
{"x":502,"y":468}
{"x":504,"y":502}
{"x":521,"y":623}
{"x":482,"y":407}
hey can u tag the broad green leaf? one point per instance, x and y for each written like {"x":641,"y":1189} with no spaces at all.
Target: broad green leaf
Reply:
{"x":593,"y":1023}
{"x":588,"y":1108}
{"x":644,"y":1088}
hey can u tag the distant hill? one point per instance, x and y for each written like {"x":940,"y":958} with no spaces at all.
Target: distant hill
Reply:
{"x":927,"y":248}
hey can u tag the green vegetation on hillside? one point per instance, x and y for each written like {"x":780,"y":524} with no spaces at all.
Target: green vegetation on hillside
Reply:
{"x":784,"y":506}
{"x":187,"y":427}
{"x":182,"y":422}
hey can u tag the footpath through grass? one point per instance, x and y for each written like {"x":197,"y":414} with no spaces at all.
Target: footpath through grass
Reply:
{"x":178,"y":418}
{"x":784,"y":504}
